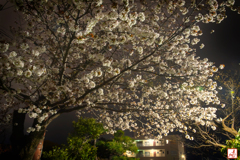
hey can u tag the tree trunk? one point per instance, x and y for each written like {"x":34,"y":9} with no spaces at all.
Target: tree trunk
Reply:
{"x":38,"y":152}
{"x":24,"y":146}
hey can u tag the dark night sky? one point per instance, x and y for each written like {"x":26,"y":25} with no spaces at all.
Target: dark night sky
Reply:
{"x":221,"y":47}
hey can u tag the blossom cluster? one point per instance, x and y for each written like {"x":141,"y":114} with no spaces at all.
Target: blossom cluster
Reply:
{"x":132,"y":64}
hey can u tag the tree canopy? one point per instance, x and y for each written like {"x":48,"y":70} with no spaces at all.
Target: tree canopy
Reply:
{"x":216,"y":133}
{"x":131,"y":64}
{"x":117,"y":147}
{"x":78,"y":147}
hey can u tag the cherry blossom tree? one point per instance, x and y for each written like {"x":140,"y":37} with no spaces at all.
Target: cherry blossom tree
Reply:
{"x":215,"y":133}
{"x":132,"y":64}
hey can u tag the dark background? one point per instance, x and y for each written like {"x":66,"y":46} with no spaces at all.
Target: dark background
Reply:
{"x":222,"y":46}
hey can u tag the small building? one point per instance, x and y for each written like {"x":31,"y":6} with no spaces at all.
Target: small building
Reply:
{"x":170,"y":147}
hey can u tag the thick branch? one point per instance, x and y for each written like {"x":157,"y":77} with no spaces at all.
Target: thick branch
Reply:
{"x":226,"y":128}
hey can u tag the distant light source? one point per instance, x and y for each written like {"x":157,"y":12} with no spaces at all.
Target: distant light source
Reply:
{"x":167,"y":141}
{"x":200,"y":88}
{"x":183,"y":156}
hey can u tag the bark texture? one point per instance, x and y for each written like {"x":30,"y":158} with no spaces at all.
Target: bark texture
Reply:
{"x":24,"y":146}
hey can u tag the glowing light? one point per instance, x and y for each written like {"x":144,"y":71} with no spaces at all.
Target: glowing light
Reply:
{"x":200,"y":88}
{"x":167,"y":141}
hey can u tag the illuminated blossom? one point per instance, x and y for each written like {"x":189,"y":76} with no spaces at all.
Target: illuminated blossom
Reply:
{"x":116,"y":71}
{"x":28,"y":73}
{"x":221,"y":66}
{"x":18,"y":63}
{"x":12,"y":54}
{"x":202,"y":46}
